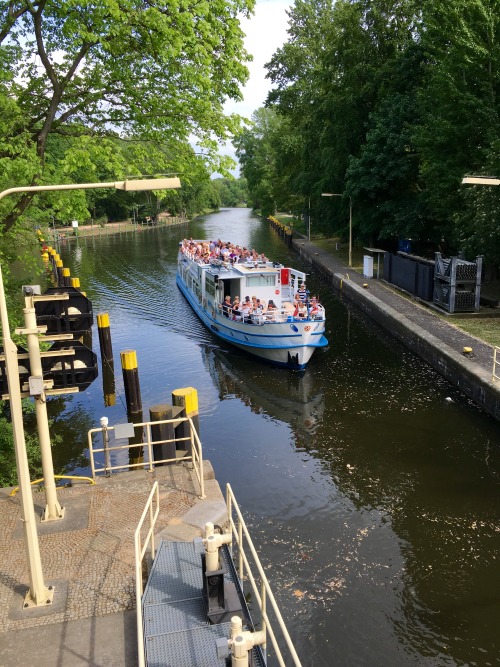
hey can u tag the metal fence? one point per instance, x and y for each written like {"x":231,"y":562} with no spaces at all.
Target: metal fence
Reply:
{"x":148,"y":461}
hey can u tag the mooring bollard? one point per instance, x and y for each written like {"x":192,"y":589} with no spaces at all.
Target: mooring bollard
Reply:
{"x":104,"y":331}
{"x":75,"y":282}
{"x":187,"y":399}
{"x":131,"y":381}
{"x":59,"y":273}
{"x":163,"y":450}
{"x":66,"y":277}
{"x":134,"y":402}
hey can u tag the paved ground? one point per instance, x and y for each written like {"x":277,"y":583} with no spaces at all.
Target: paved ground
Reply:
{"x":89,"y":559}
{"x":383,"y":296}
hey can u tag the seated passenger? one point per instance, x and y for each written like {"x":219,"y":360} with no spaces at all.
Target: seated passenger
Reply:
{"x":236,"y":308}
{"x":245,"y":311}
{"x":259,"y":308}
{"x":227,"y":306}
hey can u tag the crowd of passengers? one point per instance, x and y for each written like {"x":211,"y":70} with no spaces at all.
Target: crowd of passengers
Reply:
{"x":255,"y":310}
{"x":250,"y":310}
{"x":204,"y":252}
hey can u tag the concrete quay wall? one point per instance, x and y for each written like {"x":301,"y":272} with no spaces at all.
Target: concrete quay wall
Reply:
{"x":469,"y":376}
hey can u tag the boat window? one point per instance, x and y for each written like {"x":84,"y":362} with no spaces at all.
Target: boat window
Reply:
{"x":210,"y":285}
{"x":261,"y":280}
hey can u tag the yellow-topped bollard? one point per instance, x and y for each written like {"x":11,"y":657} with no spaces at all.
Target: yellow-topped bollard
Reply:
{"x":130,"y":372}
{"x":187,"y":399}
{"x":105,"y":339}
{"x":75,"y":282}
{"x":66,"y":276}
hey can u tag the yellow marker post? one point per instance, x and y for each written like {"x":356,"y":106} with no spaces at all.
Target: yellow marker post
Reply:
{"x":187,"y":399}
{"x":66,"y":276}
{"x":130,"y":372}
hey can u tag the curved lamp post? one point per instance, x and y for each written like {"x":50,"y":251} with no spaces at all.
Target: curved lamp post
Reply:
{"x":480,"y":180}
{"x":38,"y":594}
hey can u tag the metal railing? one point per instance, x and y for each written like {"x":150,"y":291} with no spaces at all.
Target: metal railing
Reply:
{"x":496,"y":362}
{"x":262,"y":593}
{"x":149,"y":462}
{"x":151,"y":511}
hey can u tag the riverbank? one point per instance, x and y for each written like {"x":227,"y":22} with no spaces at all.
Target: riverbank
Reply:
{"x":122,"y":227}
{"x":432,"y":338}
{"x":88,"y":557}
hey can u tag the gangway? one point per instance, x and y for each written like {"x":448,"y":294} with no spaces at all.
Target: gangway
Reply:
{"x":193,"y":611}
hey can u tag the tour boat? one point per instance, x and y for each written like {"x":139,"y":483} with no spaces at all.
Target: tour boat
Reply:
{"x":279,"y":336}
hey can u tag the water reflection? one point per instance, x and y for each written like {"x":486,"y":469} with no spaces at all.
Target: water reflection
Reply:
{"x":292,"y":400}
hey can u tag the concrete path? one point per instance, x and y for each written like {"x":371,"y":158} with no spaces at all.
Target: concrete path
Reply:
{"x":417,"y":326}
{"x":88,"y":557}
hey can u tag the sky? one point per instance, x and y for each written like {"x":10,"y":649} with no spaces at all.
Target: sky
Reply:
{"x":265,"y":32}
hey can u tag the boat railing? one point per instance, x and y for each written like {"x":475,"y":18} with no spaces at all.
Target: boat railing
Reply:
{"x":101,"y":456}
{"x":249,"y":569}
{"x":277,"y":316}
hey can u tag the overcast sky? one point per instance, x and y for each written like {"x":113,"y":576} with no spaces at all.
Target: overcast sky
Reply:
{"x":265,"y":32}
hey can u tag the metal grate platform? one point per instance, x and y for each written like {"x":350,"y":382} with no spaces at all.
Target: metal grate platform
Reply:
{"x":176,"y":629}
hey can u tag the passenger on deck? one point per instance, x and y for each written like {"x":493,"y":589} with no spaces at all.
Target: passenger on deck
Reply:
{"x":302,"y":310}
{"x":236,"y":309}
{"x":227,"y":306}
{"x":302,"y":292}
{"x":245,"y":311}
{"x":271,"y":314}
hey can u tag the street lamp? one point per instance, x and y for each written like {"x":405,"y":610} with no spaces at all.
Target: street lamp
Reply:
{"x":334,"y":194}
{"x":480,"y":180}
{"x":38,"y":594}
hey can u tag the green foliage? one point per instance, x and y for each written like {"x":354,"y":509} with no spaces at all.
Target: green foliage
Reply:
{"x":232,"y":191}
{"x":8,"y":470}
{"x":391,"y":103}
{"x":91,"y":91}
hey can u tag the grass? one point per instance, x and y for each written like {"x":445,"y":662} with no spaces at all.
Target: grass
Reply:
{"x":486,"y":329}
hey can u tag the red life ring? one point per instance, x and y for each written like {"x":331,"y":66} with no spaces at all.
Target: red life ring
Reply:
{"x":276,"y":291}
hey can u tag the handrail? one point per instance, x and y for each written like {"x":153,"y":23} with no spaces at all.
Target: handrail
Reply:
{"x":42,"y":479}
{"x":239,"y":531}
{"x":196,"y":456}
{"x":139,"y":555}
{"x":494,"y":375}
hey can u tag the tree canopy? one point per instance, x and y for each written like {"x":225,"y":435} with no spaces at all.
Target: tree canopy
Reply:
{"x":97,"y":89}
{"x":391,"y":103}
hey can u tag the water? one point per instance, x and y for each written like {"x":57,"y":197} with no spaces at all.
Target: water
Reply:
{"x":373,"y":499}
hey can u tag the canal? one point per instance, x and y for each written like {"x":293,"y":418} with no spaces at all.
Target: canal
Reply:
{"x":369,"y":483}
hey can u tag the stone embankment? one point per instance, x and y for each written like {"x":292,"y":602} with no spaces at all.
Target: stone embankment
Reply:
{"x":435,"y":340}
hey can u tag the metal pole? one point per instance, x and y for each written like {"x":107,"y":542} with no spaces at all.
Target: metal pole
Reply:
{"x":309,"y":221}
{"x":350,"y":231}
{"x":38,"y":594}
{"x":53,"y":509}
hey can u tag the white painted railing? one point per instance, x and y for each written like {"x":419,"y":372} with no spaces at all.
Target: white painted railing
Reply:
{"x":151,"y":511}
{"x":149,"y":462}
{"x":260,"y":585}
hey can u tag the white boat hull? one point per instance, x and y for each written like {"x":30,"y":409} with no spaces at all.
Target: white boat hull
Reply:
{"x":290,"y":343}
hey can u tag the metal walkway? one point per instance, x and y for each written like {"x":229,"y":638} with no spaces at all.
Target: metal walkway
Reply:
{"x":176,"y":629}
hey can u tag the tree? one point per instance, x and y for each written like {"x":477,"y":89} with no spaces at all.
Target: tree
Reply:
{"x":159,"y":71}
{"x":459,"y":102}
